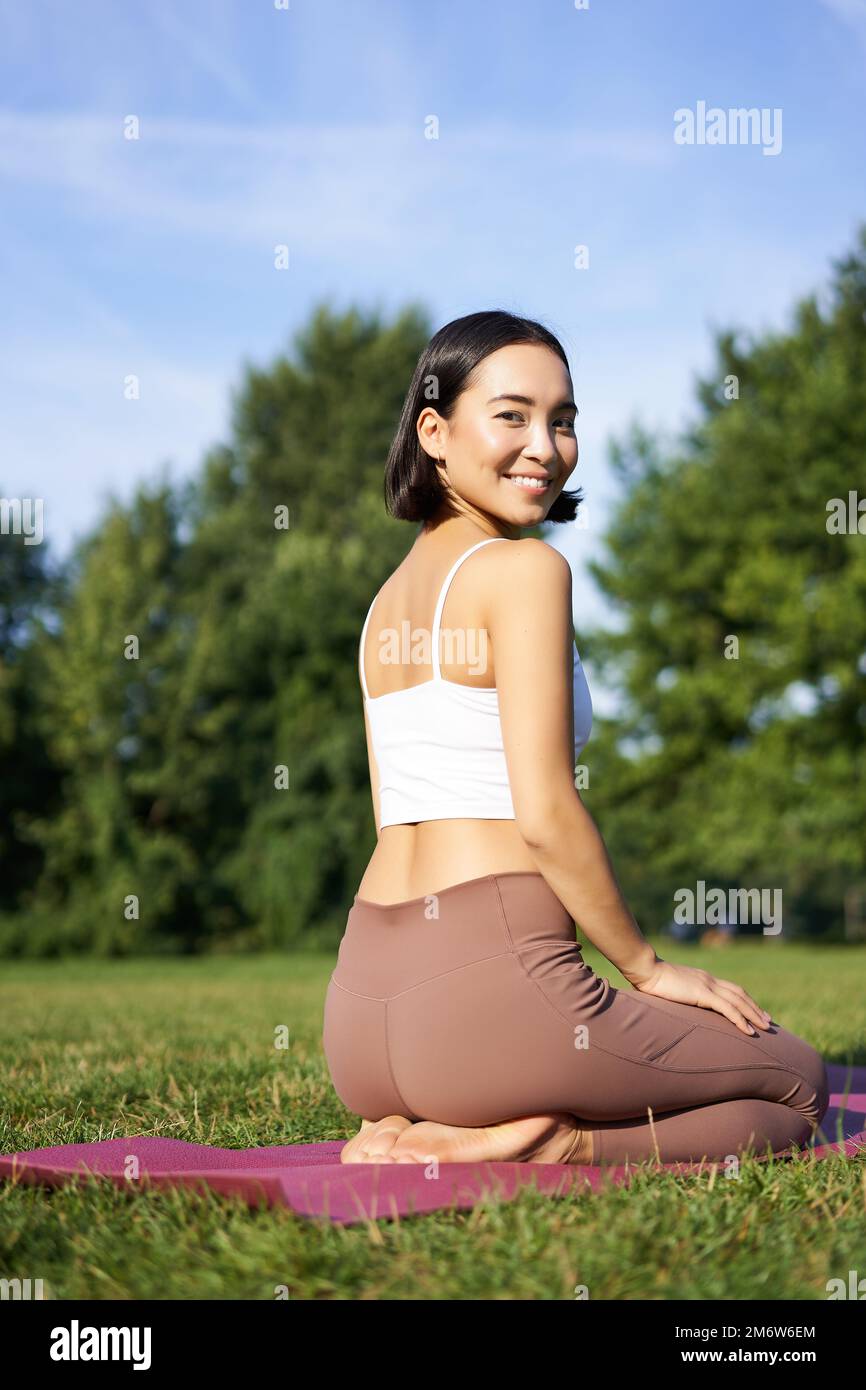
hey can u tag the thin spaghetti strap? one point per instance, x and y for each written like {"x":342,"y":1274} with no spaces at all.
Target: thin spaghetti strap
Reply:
{"x":440,"y":603}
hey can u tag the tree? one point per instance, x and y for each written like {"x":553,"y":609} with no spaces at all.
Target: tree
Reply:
{"x":739,"y":755}
{"x":173,"y":758}
{"x":30,"y":587}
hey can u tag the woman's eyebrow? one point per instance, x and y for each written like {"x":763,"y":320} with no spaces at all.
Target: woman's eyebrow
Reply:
{"x":527,"y":400}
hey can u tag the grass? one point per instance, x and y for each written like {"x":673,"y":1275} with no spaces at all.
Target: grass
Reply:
{"x":186,"y":1048}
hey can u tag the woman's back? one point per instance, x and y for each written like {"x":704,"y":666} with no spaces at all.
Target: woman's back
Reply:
{"x":437,"y":764}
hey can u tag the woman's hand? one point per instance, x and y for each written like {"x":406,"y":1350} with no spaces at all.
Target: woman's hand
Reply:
{"x":685,"y":984}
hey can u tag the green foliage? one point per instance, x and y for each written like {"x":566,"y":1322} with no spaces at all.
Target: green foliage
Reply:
{"x":749,"y":770}
{"x":247,"y":663}
{"x":29,"y":589}
{"x":194,"y":652}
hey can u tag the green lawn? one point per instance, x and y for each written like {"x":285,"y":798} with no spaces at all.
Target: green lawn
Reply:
{"x":94,"y":1050}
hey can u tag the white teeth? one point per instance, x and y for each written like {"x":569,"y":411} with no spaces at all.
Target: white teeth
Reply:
{"x":538,"y":484}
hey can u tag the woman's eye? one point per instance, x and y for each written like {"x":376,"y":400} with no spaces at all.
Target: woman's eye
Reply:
{"x":564,"y":420}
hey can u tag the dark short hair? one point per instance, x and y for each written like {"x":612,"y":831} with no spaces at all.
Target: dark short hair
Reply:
{"x":413,"y":491}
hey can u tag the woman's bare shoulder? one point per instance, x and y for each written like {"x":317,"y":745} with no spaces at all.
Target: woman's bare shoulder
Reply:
{"x":530,"y":562}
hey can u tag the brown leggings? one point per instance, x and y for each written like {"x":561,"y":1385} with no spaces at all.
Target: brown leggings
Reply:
{"x":474,"y":1005}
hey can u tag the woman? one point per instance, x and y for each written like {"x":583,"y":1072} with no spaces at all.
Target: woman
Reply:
{"x":461,"y":1021}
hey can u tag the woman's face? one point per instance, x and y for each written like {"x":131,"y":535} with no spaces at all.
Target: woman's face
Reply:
{"x":510,"y":446}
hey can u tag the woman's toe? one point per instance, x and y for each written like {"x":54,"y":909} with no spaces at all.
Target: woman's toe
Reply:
{"x":375,"y":1140}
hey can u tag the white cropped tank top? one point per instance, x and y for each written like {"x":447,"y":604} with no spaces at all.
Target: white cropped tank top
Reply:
{"x":438,"y":746}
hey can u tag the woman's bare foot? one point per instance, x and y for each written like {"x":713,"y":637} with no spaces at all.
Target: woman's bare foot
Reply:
{"x":375,"y":1140}
{"x":550,"y":1138}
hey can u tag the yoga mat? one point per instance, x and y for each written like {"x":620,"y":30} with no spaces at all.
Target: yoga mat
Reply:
{"x":310,"y":1179}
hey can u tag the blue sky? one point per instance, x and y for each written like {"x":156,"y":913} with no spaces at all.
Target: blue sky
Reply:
{"x":261,"y":125}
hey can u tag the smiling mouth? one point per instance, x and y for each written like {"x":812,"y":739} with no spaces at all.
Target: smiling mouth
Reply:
{"x":528,"y":483}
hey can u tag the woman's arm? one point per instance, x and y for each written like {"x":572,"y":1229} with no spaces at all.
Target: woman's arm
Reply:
{"x":529,"y":621}
{"x":374,"y":772}
{"x":530,"y":624}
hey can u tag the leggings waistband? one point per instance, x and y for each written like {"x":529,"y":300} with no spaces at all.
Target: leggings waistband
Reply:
{"x":388,"y":947}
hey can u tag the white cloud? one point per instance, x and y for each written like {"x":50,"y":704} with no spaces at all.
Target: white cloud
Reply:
{"x":851,"y":13}
{"x":199,"y":47}
{"x":319,"y":187}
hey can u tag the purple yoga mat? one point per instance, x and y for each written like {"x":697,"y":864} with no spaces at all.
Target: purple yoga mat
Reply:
{"x":310,"y":1179}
